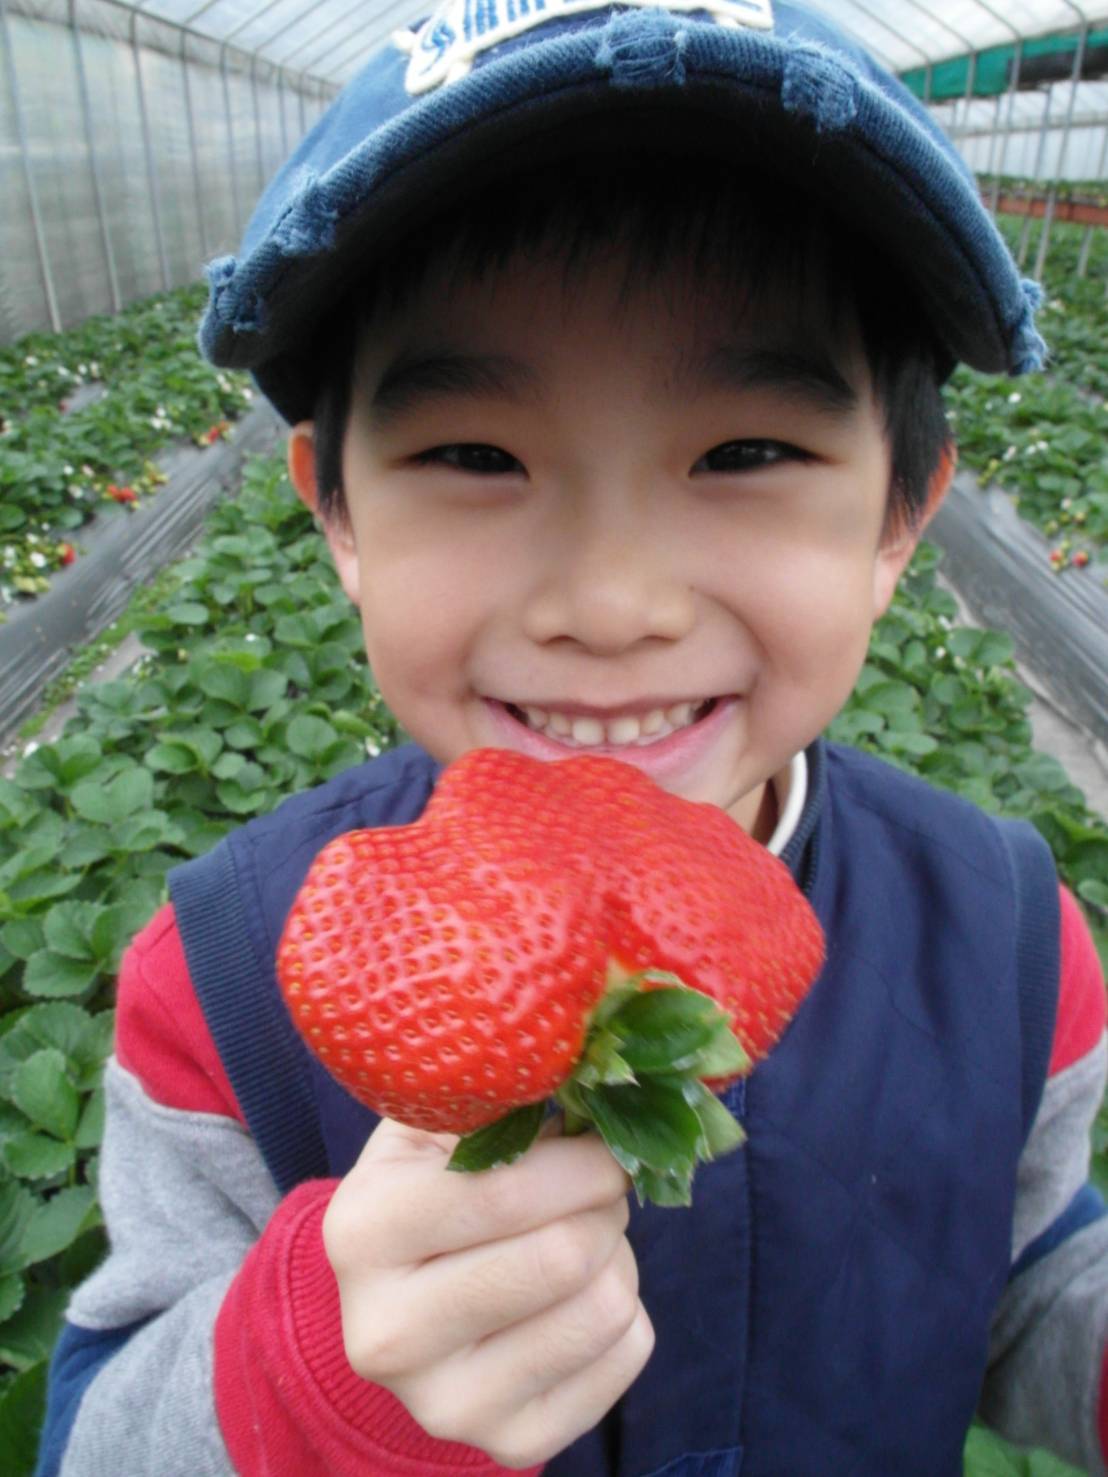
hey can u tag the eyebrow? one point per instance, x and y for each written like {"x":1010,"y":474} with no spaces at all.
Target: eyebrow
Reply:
{"x":806,"y":375}
{"x":411,"y":381}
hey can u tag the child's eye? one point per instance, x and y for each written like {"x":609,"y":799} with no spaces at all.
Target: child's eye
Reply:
{"x":471,"y":456}
{"x":747,"y":456}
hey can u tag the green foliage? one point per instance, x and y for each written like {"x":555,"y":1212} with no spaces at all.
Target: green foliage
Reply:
{"x":60,"y":464}
{"x":987,"y":1455}
{"x":255,"y":686}
{"x":1042,"y":440}
{"x":943,"y":701}
{"x":1044,"y":437}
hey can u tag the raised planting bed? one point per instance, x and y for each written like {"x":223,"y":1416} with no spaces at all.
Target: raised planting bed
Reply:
{"x":1044,"y":438}
{"x":1046,"y":443}
{"x":1080,"y":212}
{"x":122,"y":550}
{"x":1000,"y":567}
{"x":82,"y":414}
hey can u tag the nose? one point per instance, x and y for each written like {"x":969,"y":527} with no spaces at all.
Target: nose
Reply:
{"x":610,"y":579}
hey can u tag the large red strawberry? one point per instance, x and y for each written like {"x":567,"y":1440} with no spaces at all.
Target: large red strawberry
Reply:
{"x":556,"y":930}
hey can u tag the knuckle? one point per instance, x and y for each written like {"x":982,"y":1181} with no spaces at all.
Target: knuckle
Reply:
{"x":444,"y":1413}
{"x":376,"y":1353}
{"x":563,"y":1256}
{"x":352,"y":1233}
{"x":337,"y":1230}
{"x":614,"y":1303}
{"x":640,"y":1339}
{"x":516,"y":1456}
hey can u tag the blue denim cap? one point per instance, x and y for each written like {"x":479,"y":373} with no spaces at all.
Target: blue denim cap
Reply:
{"x":486,"y":85}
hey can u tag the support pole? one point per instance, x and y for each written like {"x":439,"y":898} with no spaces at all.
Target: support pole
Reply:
{"x":257,"y":123}
{"x":197,"y":188}
{"x":1013,"y":89}
{"x":25,"y":157}
{"x":235,"y":203}
{"x":151,"y":170}
{"x":1087,"y":239}
{"x":1052,"y":194}
{"x":1025,"y":234}
{"x":90,"y":134}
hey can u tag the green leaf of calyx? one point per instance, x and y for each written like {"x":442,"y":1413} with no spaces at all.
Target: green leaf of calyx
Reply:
{"x":648,"y":1125}
{"x":664,"y":1030}
{"x":673,"y":1190}
{"x":720,"y":1130}
{"x":499,"y":1143}
{"x":678,"y":1030}
{"x":602,"y":1061}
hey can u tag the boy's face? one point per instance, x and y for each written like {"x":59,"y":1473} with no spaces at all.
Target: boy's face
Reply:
{"x":597,"y":509}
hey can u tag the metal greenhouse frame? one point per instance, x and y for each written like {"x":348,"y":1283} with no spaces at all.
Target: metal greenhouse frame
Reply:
{"x":135,"y":137}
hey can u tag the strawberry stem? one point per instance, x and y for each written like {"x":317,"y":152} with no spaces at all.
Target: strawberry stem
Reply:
{"x":574,"y":1123}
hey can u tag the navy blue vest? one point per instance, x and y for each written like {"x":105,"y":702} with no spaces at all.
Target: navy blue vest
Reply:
{"x":824,"y":1305}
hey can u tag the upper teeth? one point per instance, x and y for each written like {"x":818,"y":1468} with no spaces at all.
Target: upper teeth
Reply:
{"x":631,"y":728}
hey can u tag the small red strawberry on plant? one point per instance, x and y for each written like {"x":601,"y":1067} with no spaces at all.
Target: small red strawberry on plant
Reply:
{"x":1080,"y":558}
{"x":556,"y":930}
{"x":67,"y":554}
{"x":120,"y":494}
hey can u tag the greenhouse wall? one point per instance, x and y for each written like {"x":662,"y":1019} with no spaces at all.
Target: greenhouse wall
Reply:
{"x":1026,"y":133}
{"x":131,"y":152}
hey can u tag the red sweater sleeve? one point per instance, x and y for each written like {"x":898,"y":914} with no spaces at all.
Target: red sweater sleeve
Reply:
{"x":289,"y":1403}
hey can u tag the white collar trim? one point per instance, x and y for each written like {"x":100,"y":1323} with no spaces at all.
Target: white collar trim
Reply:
{"x":791,"y":786}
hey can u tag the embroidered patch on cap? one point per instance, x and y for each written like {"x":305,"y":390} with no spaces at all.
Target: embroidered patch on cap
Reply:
{"x":443,"y":48}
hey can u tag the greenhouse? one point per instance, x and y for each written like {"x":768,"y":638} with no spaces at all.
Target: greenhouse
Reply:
{"x":203,"y":660}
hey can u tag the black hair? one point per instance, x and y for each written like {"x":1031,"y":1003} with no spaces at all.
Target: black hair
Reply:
{"x":778,"y":251}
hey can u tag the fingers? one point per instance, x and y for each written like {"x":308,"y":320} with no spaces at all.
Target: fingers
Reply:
{"x":430,"y":1210}
{"x":456,"y":1300}
{"x":528,"y":1391}
{"x":556,"y":1344}
{"x":555,"y":1420}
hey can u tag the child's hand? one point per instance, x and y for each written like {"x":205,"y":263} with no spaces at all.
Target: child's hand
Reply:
{"x":502,"y":1308}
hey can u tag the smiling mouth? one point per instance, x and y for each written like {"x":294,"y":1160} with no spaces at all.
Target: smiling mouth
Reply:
{"x":629,"y":729}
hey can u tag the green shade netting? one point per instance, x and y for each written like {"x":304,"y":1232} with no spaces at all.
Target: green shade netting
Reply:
{"x":993,"y":68}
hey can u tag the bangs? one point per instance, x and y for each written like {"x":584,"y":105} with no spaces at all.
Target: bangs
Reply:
{"x":678,"y":227}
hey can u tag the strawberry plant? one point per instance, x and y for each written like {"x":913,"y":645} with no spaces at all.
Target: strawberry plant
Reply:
{"x":85,"y":411}
{"x":1042,"y":437}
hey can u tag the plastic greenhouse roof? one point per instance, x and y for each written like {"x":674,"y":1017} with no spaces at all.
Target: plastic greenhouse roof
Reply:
{"x":331,"y":39}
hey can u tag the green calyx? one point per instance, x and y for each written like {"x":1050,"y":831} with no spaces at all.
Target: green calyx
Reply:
{"x":639,"y":1083}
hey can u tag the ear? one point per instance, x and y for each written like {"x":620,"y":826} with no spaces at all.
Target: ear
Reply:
{"x":899,"y":543}
{"x":336,"y":530}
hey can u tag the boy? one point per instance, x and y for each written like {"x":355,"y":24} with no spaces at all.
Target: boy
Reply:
{"x":620,"y":431}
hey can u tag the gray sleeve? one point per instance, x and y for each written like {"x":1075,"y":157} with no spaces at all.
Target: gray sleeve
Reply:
{"x":185,"y":1196}
{"x":1050,"y":1330}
